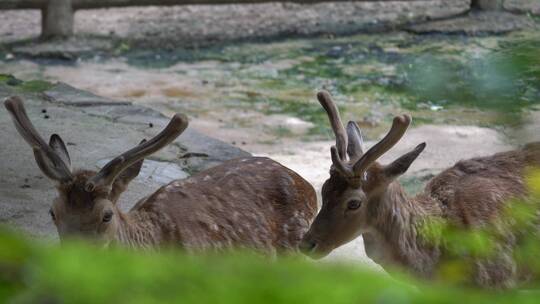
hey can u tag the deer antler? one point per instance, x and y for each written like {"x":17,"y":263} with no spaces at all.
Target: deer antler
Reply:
{"x":358,"y":161}
{"x":335,"y":121}
{"x":339,"y":151}
{"x":50,"y":163}
{"x":106,"y":176}
{"x":399,"y":126}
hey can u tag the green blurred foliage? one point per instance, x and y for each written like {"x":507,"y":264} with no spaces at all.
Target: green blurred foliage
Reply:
{"x":504,"y":80}
{"x":79,"y":273}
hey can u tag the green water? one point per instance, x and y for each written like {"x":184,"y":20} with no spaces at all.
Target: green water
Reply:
{"x":438,"y":79}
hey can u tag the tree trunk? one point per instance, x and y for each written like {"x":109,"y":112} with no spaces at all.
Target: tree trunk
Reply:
{"x":57,"y":19}
{"x":487,"y":5}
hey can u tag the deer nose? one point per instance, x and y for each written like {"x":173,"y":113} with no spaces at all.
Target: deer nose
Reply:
{"x":307,"y":246}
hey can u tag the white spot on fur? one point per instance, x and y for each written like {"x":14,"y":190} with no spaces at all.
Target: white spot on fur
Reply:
{"x":207,"y":177}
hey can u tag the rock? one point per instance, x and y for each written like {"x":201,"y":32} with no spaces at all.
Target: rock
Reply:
{"x":523,"y":6}
{"x":478,"y":23}
{"x":156,"y":171}
{"x":68,"y":95}
{"x":62,"y":49}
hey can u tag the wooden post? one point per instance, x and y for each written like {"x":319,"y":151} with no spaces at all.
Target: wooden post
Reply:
{"x":57,"y":19}
{"x":487,"y":5}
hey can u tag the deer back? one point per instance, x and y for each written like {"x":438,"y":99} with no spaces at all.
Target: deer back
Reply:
{"x":251,"y":203}
{"x":474,"y":191}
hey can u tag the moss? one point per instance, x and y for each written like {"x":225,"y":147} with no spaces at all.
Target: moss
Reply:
{"x":31,"y":86}
{"x":35,"y":86}
{"x":5,"y":77}
{"x":10,"y":80}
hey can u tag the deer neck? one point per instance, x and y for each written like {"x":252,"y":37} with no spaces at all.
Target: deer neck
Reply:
{"x":396,"y":239}
{"x":137,"y":230}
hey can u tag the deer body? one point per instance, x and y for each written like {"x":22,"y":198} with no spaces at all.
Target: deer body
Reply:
{"x":225,"y":207}
{"x":249,"y":203}
{"x":364,"y":198}
{"x":471,"y":194}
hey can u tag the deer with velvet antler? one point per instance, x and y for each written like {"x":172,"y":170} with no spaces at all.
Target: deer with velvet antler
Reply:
{"x":252,"y":203}
{"x":364,"y":198}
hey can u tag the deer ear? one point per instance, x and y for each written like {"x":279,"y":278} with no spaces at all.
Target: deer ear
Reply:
{"x":402,"y":164}
{"x":57,"y":144}
{"x":355,"y":140}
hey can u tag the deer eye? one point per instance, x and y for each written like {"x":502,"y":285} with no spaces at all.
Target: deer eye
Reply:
{"x":107,"y":216}
{"x":51,"y":212}
{"x":354,"y":204}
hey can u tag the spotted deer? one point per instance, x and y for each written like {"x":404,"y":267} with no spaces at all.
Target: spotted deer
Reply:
{"x":363,"y":198}
{"x":248,"y":203}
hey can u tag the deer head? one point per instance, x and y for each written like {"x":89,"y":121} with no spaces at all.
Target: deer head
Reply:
{"x":86,"y":201}
{"x":357,"y":185}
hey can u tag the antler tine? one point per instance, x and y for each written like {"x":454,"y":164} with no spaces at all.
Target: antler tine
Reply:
{"x":107,"y":174}
{"x":340,"y":165}
{"x":335,"y":121}
{"x":49,"y":162}
{"x":399,"y":126}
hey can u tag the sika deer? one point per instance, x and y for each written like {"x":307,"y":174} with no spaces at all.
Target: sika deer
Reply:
{"x":252,"y":203}
{"x":362,"y":197}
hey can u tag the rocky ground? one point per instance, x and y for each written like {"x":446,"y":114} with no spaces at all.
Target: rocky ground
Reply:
{"x":181,"y":26}
{"x":169,"y":28}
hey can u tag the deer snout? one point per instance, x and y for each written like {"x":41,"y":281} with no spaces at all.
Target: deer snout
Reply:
{"x":308,"y":247}
{"x":313,"y":248}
